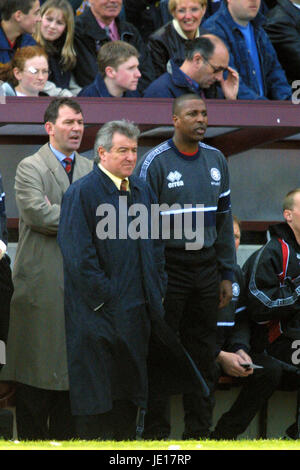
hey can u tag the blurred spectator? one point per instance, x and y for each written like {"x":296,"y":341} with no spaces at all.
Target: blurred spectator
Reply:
{"x":75,"y":4}
{"x":82,"y":6}
{"x":234,"y":353}
{"x":99,"y":24}
{"x":145,"y":15}
{"x":170,"y":40}
{"x":273,"y":280}
{"x":6,"y":286}
{"x":18,"y":21}
{"x":213,"y":5}
{"x":118,"y":72}
{"x":283,"y":28}
{"x":239,"y":24}
{"x":26,"y":74}
{"x":6,"y":290}
{"x":206,"y":60}
{"x":55,"y":33}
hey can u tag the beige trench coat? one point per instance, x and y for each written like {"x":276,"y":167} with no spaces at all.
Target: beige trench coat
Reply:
{"x":36,"y":347}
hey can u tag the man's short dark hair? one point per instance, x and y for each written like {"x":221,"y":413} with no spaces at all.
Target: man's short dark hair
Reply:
{"x":9,"y":7}
{"x":52,"y":111}
{"x":288,"y":201}
{"x":202,"y":44}
{"x":177,"y":103}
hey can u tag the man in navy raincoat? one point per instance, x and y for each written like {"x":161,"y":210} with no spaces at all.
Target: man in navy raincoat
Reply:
{"x":114,"y":288}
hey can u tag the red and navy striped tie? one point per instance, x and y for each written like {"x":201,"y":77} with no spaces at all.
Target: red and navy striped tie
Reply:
{"x":68,"y":162}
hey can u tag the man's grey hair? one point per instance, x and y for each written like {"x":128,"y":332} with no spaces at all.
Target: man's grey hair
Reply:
{"x":105,"y":134}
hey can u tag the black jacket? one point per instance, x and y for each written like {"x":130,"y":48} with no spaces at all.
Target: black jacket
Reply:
{"x":283,"y":28}
{"x":6,"y":285}
{"x":89,"y":37}
{"x":233,"y":332}
{"x":144,"y":15}
{"x":272,"y":276}
{"x":165,"y":44}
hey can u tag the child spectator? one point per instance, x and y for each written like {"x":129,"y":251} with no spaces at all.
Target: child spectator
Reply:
{"x":118,"y":72}
{"x":55,"y":33}
{"x":26,"y":74}
{"x":17,"y":23}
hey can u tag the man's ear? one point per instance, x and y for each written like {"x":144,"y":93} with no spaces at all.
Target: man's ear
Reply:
{"x":101,"y":153}
{"x":49,"y":127}
{"x":175,"y":119}
{"x":287,"y":214}
{"x":17,"y":16}
{"x":198,"y":58}
{"x":110,"y":72}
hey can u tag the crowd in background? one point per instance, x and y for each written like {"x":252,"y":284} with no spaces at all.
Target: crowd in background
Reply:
{"x":261,"y":39}
{"x":192,"y":49}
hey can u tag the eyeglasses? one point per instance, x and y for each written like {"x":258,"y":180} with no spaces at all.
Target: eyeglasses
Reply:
{"x":34,"y":71}
{"x":215,"y":69}
{"x":193,"y":10}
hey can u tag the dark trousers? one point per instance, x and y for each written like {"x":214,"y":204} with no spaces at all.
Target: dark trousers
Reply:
{"x":117,"y":424}
{"x":43,"y":414}
{"x":256,"y":389}
{"x":191,"y":305}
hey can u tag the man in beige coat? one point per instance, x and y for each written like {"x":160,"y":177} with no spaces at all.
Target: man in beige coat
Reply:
{"x":36,"y":349}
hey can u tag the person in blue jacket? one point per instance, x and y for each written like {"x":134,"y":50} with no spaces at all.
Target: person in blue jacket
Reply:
{"x":202,"y":72}
{"x":239,"y":24}
{"x":17,"y":24}
{"x":118,"y":74}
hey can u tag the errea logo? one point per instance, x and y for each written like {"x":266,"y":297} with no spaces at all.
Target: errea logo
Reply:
{"x":174,"y":178}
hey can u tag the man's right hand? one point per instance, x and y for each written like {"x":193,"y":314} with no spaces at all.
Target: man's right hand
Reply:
{"x":231,"y":364}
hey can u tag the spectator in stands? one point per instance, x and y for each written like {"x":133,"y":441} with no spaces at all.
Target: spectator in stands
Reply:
{"x":98,"y":24}
{"x":234,"y":350}
{"x":282,"y":27}
{"x":145,"y":15}
{"x":84,"y":4}
{"x":55,"y":33}
{"x":6,"y":287}
{"x":18,"y":21}
{"x":205,"y":62}
{"x":6,"y":290}
{"x":273,"y":280}
{"x":26,"y":74}
{"x":239,"y":24}
{"x":118,"y":74}
{"x":36,"y":348}
{"x":75,"y":4}
{"x":213,"y":6}
{"x":169,"y":41}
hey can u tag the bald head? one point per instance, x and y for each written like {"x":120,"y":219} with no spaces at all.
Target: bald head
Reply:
{"x":220,"y":47}
{"x":207,"y":45}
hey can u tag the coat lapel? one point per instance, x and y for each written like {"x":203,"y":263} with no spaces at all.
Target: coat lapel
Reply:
{"x":55,"y":167}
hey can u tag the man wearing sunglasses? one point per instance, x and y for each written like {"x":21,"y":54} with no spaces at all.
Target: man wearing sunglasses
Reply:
{"x":202,"y":72}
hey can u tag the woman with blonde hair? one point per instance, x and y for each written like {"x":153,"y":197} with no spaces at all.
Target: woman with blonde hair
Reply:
{"x":26,"y":74}
{"x":168,"y":42}
{"x":55,"y":33}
